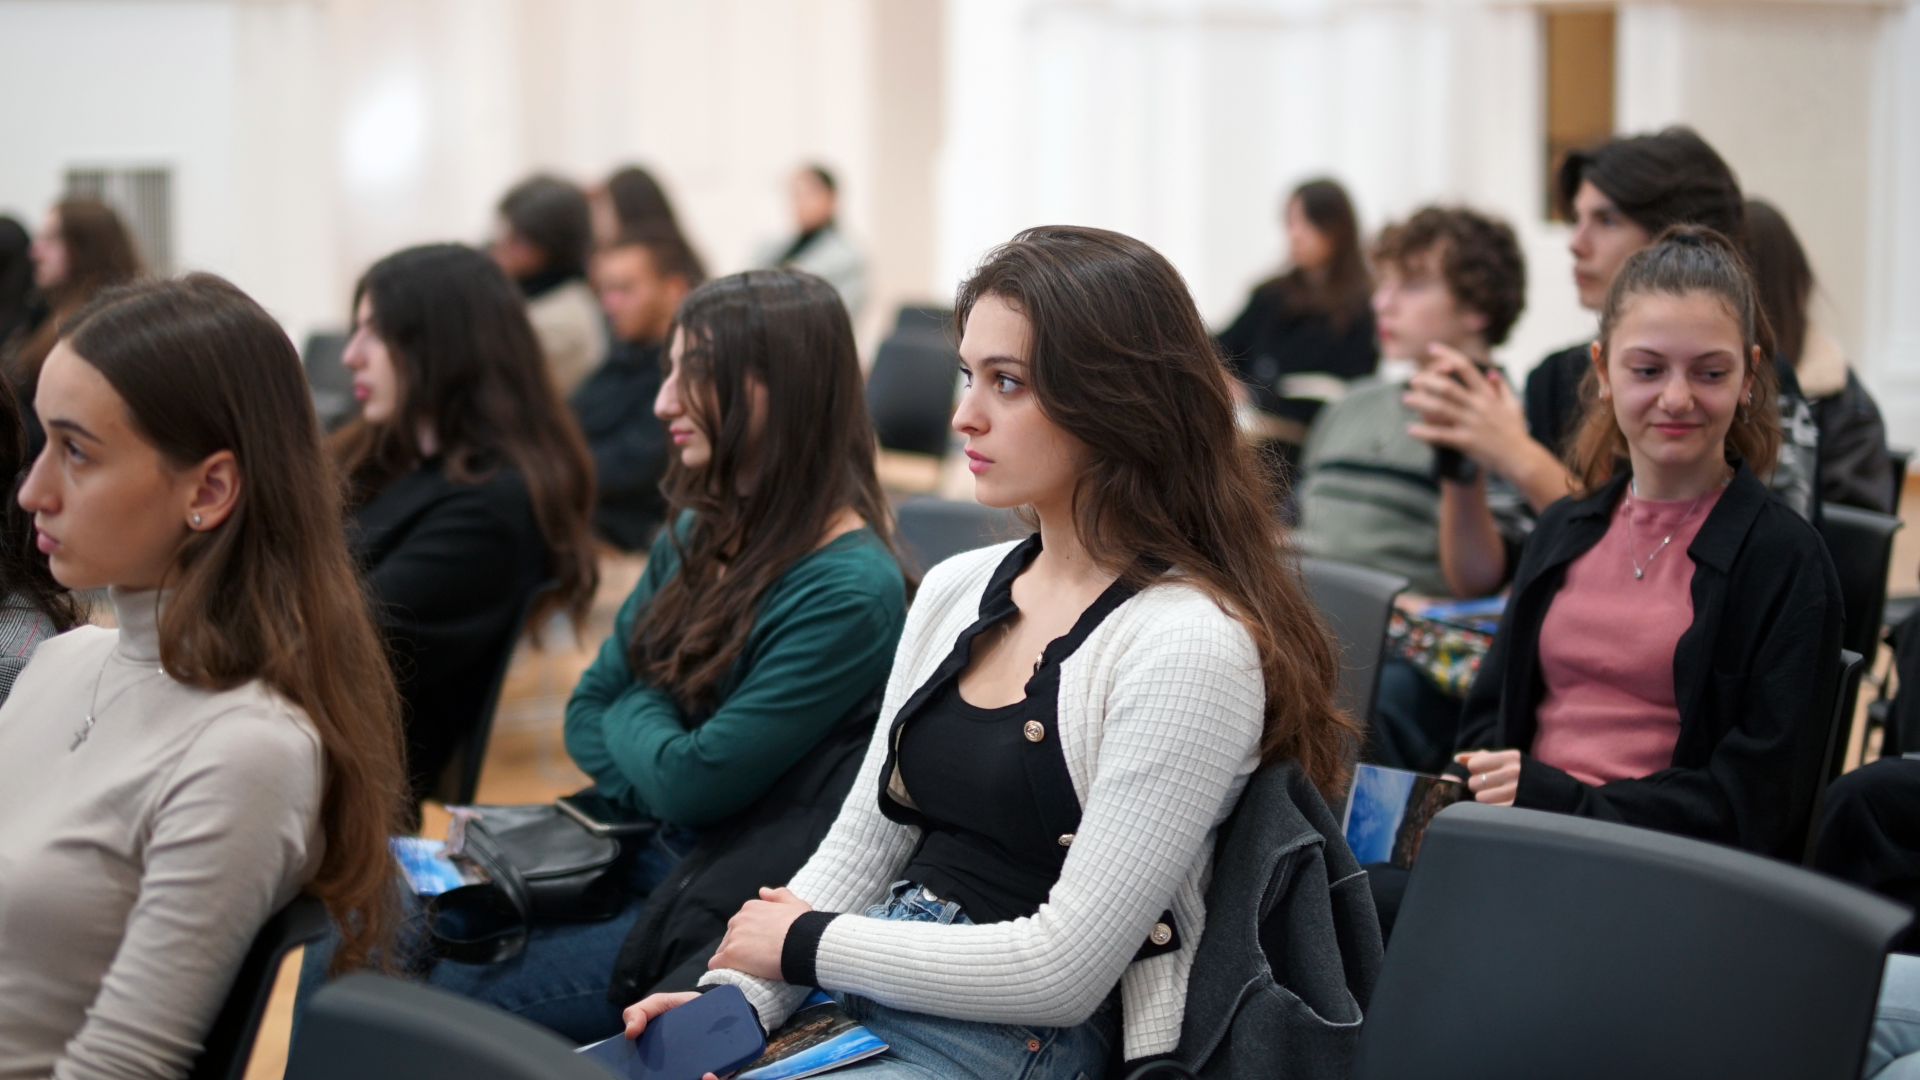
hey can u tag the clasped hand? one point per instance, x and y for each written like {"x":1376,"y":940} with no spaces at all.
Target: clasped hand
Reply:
{"x":1492,"y":775}
{"x":1464,"y":408}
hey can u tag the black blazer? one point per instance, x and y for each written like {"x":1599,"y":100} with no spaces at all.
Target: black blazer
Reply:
{"x":451,"y":566}
{"x":1269,"y":341}
{"x":1755,"y":675}
{"x":614,"y":407}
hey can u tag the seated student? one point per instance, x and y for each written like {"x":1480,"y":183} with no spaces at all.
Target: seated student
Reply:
{"x":167,"y":785}
{"x":1451,"y":284}
{"x":766,"y":616}
{"x":33,"y":606}
{"x":1619,"y":195}
{"x":465,"y":469}
{"x":1855,"y":468}
{"x":1016,"y":881}
{"x":1311,"y":320}
{"x":542,"y":240}
{"x":641,"y":277}
{"x":1670,"y":654}
{"x":82,"y":248}
{"x":819,"y":245}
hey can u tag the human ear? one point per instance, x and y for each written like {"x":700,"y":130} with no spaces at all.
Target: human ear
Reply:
{"x":1600,"y":370}
{"x":215,"y":491}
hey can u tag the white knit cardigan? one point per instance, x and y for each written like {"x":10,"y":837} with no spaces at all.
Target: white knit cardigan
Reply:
{"x":1160,"y":716}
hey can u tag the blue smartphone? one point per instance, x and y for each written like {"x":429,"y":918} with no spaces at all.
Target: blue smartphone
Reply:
{"x":716,"y":1033}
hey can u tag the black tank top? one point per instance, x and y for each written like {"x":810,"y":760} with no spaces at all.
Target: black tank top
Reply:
{"x":985,"y":844}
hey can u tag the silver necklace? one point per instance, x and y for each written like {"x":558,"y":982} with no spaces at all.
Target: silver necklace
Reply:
{"x":1640,"y":568}
{"x":93,"y":704}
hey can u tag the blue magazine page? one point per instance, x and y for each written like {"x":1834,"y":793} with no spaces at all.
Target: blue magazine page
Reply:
{"x":818,"y":1037}
{"x":1389,"y":809}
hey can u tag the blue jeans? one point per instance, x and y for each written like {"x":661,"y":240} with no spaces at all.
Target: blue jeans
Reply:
{"x":923,"y":1047}
{"x":560,"y":981}
{"x":1893,"y":1050}
{"x":1413,"y":723}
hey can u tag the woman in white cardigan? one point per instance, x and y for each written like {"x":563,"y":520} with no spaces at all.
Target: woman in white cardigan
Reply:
{"x":1017,"y":879}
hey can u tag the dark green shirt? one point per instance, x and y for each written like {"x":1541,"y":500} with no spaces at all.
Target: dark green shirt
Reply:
{"x":823,"y":640}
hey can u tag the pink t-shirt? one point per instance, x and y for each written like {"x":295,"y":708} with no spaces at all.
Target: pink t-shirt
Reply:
{"x":1606,"y":645}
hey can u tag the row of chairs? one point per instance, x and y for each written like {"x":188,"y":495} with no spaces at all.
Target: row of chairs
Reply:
{"x":1356,"y":602}
{"x":1529,"y":944}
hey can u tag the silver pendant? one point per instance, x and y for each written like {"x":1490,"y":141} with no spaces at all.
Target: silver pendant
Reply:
{"x":1637,"y":573}
{"x":80,"y":736}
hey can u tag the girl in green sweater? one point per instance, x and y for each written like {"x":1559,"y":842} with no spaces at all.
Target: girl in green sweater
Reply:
{"x":769,"y":612}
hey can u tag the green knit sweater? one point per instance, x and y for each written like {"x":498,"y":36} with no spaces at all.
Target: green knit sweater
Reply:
{"x":824,"y":639}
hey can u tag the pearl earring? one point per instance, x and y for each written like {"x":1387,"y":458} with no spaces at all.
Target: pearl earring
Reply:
{"x":196,"y":519}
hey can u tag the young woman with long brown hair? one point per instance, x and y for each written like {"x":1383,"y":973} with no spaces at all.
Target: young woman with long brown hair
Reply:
{"x":1314,"y":319}
{"x":165,"y":786}
{"x":1069,"y":717}
{"x":82,"y":247}
{"x":470,"y":483}
{"x":1670,"y":653}
{"x":33,"y":606}
{"x":760,"y":632}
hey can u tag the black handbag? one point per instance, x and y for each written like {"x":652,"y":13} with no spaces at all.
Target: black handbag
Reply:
{"x":540,"y":866}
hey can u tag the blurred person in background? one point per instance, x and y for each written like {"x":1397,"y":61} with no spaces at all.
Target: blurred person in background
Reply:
{"x":632,"y":200}
{"x":818,"y":246}
{"x":641,"y":276}
{"x":33,"y":606}
{"x":1855,"y":468}
{"x":16,"y":276}
{"x":470,"y":486}
{"x":1306,"y":333}
{"x":82,"y":248}
{"x":1451,"y":283}
{"x":542,"y":240}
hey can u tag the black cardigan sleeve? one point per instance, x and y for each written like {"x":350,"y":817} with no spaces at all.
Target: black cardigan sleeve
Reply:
{"x":1774,"y":703}
{"x":1480,"y":727}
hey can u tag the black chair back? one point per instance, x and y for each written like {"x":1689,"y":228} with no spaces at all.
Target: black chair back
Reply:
{"x":934,"y":530}
{"x":368,"y":1027}
{"x":327,"y":378}
{"x":910,"y":393}
{"x":1839,"y":732}
{"x":461,"y":778}
{"x":1357,"y":603}
{"x":1533,"y":944}
{"x":1861,"y":543}
{"x":1900,"y":456}
{"x":229,"y":1045}
{"x":924,"y":323}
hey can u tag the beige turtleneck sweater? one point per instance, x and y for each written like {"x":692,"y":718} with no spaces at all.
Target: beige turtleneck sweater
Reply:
{"x":138,"y":863}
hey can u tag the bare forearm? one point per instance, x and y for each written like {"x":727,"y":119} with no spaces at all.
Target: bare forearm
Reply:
{"x":1540,"y":477}
{"x":1473,"y":558}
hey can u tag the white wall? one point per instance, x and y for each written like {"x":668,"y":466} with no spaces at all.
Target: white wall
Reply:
{"x":1184,"y":122}
{"x":1891,"y":351}
{"x":311,"y":137}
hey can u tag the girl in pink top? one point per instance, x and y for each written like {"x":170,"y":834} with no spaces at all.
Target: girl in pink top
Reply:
{"x":1669,"y":656}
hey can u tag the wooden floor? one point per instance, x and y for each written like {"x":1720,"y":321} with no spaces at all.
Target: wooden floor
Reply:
{"x":526,"y":761}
